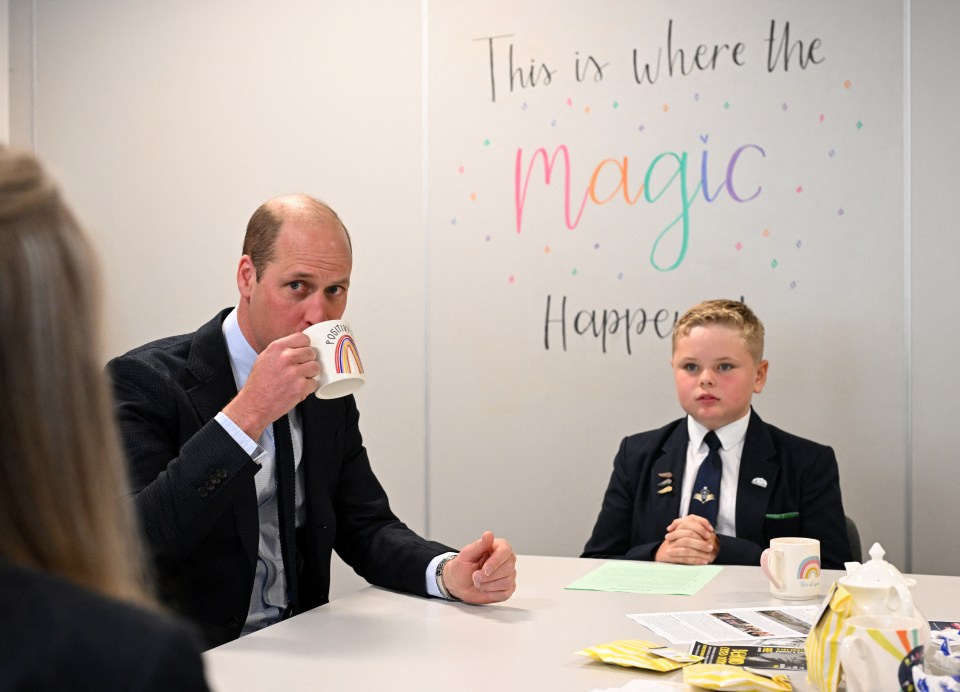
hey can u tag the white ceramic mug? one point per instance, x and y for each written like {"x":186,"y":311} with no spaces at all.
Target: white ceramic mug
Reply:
{"x":341,"y":372}
{"x":793,"y":567}
{"x":878,"y":651}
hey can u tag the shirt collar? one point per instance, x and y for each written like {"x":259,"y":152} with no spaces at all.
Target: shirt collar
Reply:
{"x":242,"y":355}
{"x":730,"y":434}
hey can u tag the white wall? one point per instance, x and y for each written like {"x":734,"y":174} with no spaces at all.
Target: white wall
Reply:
{"x":935,"y":299}
{"x":195,"y":113}
{"x":4,"y":71}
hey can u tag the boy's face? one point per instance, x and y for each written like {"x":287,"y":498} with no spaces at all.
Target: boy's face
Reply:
{"x":715,"y":374}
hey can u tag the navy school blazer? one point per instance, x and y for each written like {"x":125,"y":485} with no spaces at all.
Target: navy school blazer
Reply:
{"x":801,"y":496}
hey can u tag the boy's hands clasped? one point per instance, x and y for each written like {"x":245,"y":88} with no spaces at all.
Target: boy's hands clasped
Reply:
{"x":690,"y":540}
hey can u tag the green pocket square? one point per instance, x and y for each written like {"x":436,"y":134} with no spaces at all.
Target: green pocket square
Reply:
{"x":785,"y":515}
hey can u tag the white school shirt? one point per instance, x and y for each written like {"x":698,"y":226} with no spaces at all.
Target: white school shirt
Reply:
{"x":731,"y":437}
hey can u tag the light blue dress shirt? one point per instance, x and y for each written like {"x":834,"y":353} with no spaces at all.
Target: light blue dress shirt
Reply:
{"x":268,"y":599}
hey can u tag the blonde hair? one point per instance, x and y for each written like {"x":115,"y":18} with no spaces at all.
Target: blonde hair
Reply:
{"x":730,"y":313}
{"x":63,"y":483}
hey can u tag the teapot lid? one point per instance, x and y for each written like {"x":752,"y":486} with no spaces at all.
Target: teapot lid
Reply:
{"x":874,"y":572}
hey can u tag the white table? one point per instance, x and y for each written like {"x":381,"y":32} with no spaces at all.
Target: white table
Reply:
{"x":380,"y":640}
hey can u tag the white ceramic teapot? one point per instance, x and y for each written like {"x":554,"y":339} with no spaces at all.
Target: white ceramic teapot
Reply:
{"x":878,"y":588}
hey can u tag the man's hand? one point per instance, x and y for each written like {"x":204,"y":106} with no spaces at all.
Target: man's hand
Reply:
{"x":690,"y":540}
{"x":485,"y":571}
{"x":282,"y":377}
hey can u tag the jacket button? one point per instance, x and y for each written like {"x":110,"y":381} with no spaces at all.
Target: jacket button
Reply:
{"x":210,"y":485}
{"x":202,"y":492}
{"x":222,"y":474}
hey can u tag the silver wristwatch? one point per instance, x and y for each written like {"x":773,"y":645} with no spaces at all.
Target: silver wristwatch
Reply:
{"x":440,"y":585}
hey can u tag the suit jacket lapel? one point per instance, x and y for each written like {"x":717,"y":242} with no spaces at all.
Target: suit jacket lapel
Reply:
{"x":672,"y":460}
{"x":209,"y":363}
{"x":759,"y":460}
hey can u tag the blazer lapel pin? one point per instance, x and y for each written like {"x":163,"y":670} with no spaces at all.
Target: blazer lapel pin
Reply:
{"x":759,"y":482}
{"x":666,"y":484}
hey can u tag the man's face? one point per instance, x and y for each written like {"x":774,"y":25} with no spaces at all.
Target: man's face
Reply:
{"x":306,"y":282}
{"x":715,"y":375}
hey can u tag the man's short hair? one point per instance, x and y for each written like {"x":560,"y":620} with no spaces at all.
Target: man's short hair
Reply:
{"x":730,"y":313}
{"x":260,"y":240}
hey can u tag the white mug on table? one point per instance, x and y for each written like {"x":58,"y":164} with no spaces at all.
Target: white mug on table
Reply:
{"x":792,"y":565}
{"x":878,"y":652}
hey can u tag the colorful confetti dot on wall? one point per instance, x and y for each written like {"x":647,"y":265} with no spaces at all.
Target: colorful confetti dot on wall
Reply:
{"x":569,"y":102}
{"x":799,"y":188}
{"x":616,"y":104}
{"x":666,"y":107}
{"x":473,"y":196}
{"x":523,"y":106}
{"x":726,"y":104}
{"x":832,"y":153}
{"x":553,"y":123}
{"x":586,"y":109}
{"x":785,"y":106}
{"x":774,"y":264}
{"x":793,"y":284}
{"x":799,"y":243}
{"x":546,"y":249}
{"x":460,"y":170}
{"x":696,"y":97}
{"x":859,"y":125}
{"x":766,"y":232}
{"x":574,"y":272}
{"x":453,"y":222}
{"x":486,"y":142}
{"x":511,"y":279}
{"x":847,"y":84}
{"x":596,"y":246}
{"x":822,"y":117}
{"x":642,"y":128}
{"x":487,"y":239}
{"x":620,"y":275}
{"x":739,"y":246}
{"x":840,"y":211}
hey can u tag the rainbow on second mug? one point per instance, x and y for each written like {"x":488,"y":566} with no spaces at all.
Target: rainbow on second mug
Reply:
{"x":809,"y":568}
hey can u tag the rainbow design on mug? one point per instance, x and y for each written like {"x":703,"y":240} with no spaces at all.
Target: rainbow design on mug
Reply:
{"x":809,"y":568}
{"x":346,"y":358}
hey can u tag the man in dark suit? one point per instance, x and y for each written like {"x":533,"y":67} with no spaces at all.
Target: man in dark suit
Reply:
{"x":244,"y":483}
{"x":664,"y":504}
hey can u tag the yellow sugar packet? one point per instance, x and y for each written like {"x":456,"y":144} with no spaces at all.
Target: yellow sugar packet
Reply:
{"x":713,"y":676}
{"x":636,"y":653}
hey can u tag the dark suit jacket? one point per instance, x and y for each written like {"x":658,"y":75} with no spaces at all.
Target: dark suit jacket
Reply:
{"x":802,"y":477}
{"x":195,"y":493}
{"x":57,"y":635}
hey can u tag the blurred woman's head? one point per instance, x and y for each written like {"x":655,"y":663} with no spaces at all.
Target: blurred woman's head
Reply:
{"x":62,"y":478}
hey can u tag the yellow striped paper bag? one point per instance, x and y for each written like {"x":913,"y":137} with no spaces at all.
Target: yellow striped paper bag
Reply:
{"x":823,"y":642}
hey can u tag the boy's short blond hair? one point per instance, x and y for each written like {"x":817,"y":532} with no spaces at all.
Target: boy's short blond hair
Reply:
{"x":731,"y":313}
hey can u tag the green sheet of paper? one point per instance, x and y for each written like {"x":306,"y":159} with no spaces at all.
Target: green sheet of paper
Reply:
{"x":647,"y":577}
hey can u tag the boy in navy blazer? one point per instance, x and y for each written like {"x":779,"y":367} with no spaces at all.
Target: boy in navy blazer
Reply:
{"x":661,"y":505}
